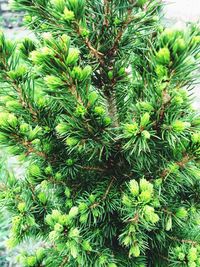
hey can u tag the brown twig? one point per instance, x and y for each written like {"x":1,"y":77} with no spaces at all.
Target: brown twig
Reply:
{"x":186,"y":241}
{"x":91,"y":168}
{"x":135,"y":219}
{"x":65,"y":260}
{"x":181,"y":164}
{"x":106,"y":10}
{"x":105,"y":194}
{"x":120,"y":33}
{"x":98,"y":55}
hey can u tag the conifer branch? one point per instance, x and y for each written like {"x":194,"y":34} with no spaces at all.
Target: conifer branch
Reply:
{"x":65,"y":260}
{"x":105,"y":194}
{"x":91,"y":168}
{"x":120,"y":33}
{"x":185,"y":241}
{"x":23,"y":102}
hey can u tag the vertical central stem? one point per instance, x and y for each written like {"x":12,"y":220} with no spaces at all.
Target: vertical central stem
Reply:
{"x":112,"y":109}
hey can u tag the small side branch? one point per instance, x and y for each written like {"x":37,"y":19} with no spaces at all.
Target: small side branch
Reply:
{"x":105,"y":194}
{"x":185,"y":241}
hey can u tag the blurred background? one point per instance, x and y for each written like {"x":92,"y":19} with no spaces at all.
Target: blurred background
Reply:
{"x":176,"y":13}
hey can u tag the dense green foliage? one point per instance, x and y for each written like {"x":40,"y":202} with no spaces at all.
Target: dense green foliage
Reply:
{"x":99,"y":109}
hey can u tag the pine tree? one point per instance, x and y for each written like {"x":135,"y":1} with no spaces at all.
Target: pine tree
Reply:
{"x":98,"y":108}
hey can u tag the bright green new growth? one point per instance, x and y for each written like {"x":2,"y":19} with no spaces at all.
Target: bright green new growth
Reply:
{"x":99,"y":109}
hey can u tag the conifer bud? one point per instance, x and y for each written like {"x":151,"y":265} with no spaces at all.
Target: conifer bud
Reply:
{"x":86,"y":72}
{"x":31,"y":261}
{"x":84,"y":32}
{"x":179,"y":126}
{"x":110,"y":75}
{"x":192,"y":264}
{"x":161,"y":71}
{"x":13,"y":105}
{"x":16,"y":220}
{"x":181,"y":256}
{"x":64,"y":42}
{"x":58,"y":4}
{"x":192,"y":254}
{"x":58,"y":228}
{"x":56,"y":214}
{"x":73,"y":56}
{"x":145,"y":106}
{"x":53,"y":82}
{"x":12,"y":120}
{"x":99,"y":110}
{"x":62,"y":128}
{"x":70,"y":162}
{"x":44,"y":53}
{"x":154,"y":218}
{"x":107,"y":121}
{"x":30,"y":220}
{"x":145,"y":196}
{"x":181,"y":213}
{"x":168,"y":226}
{"x":58,"y":176}
{"x":49,"y":220}
{"x":92,"y":97}
{"x":74,"y":251}
{"x":67,"y":192}
{"x":169,"y":35}
{"x":134,"y":188}
{"x":74,"y":233}
{"x":71,"y":141}
{"x":146,"y":185}
{"x":179,"y":46}
{"x":163,"y":56}
{"x":177,"y":100}
{"x":73,"y":212}
{"x":121,"y":71}
{"x":145,"y":119}
{"x":195,"y":40}
{"x":150,"y":215}
{"x":148,"y":210}
{"x":82,"y":207}
{"x":86,"y":245}
{"x":40,"y":253}
{"x":135,"y":251}
{"x":48,"y":170}
{"x":112,"y":264}
{"x":83,"y":218}
{"x":126,"y":201}
{"x":146,"y":134}
{"x":196,"y":138}
{"x":21,"y":207}
{"x":131,"y":129}
{"x":77,"y":73}
{"x":3,"y":138}
{"x":42,"y":197}
{"x":173,"y":167}
{"x":34,"y":170}
{"x":80,"y":111}
{"x":53,"y":236}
